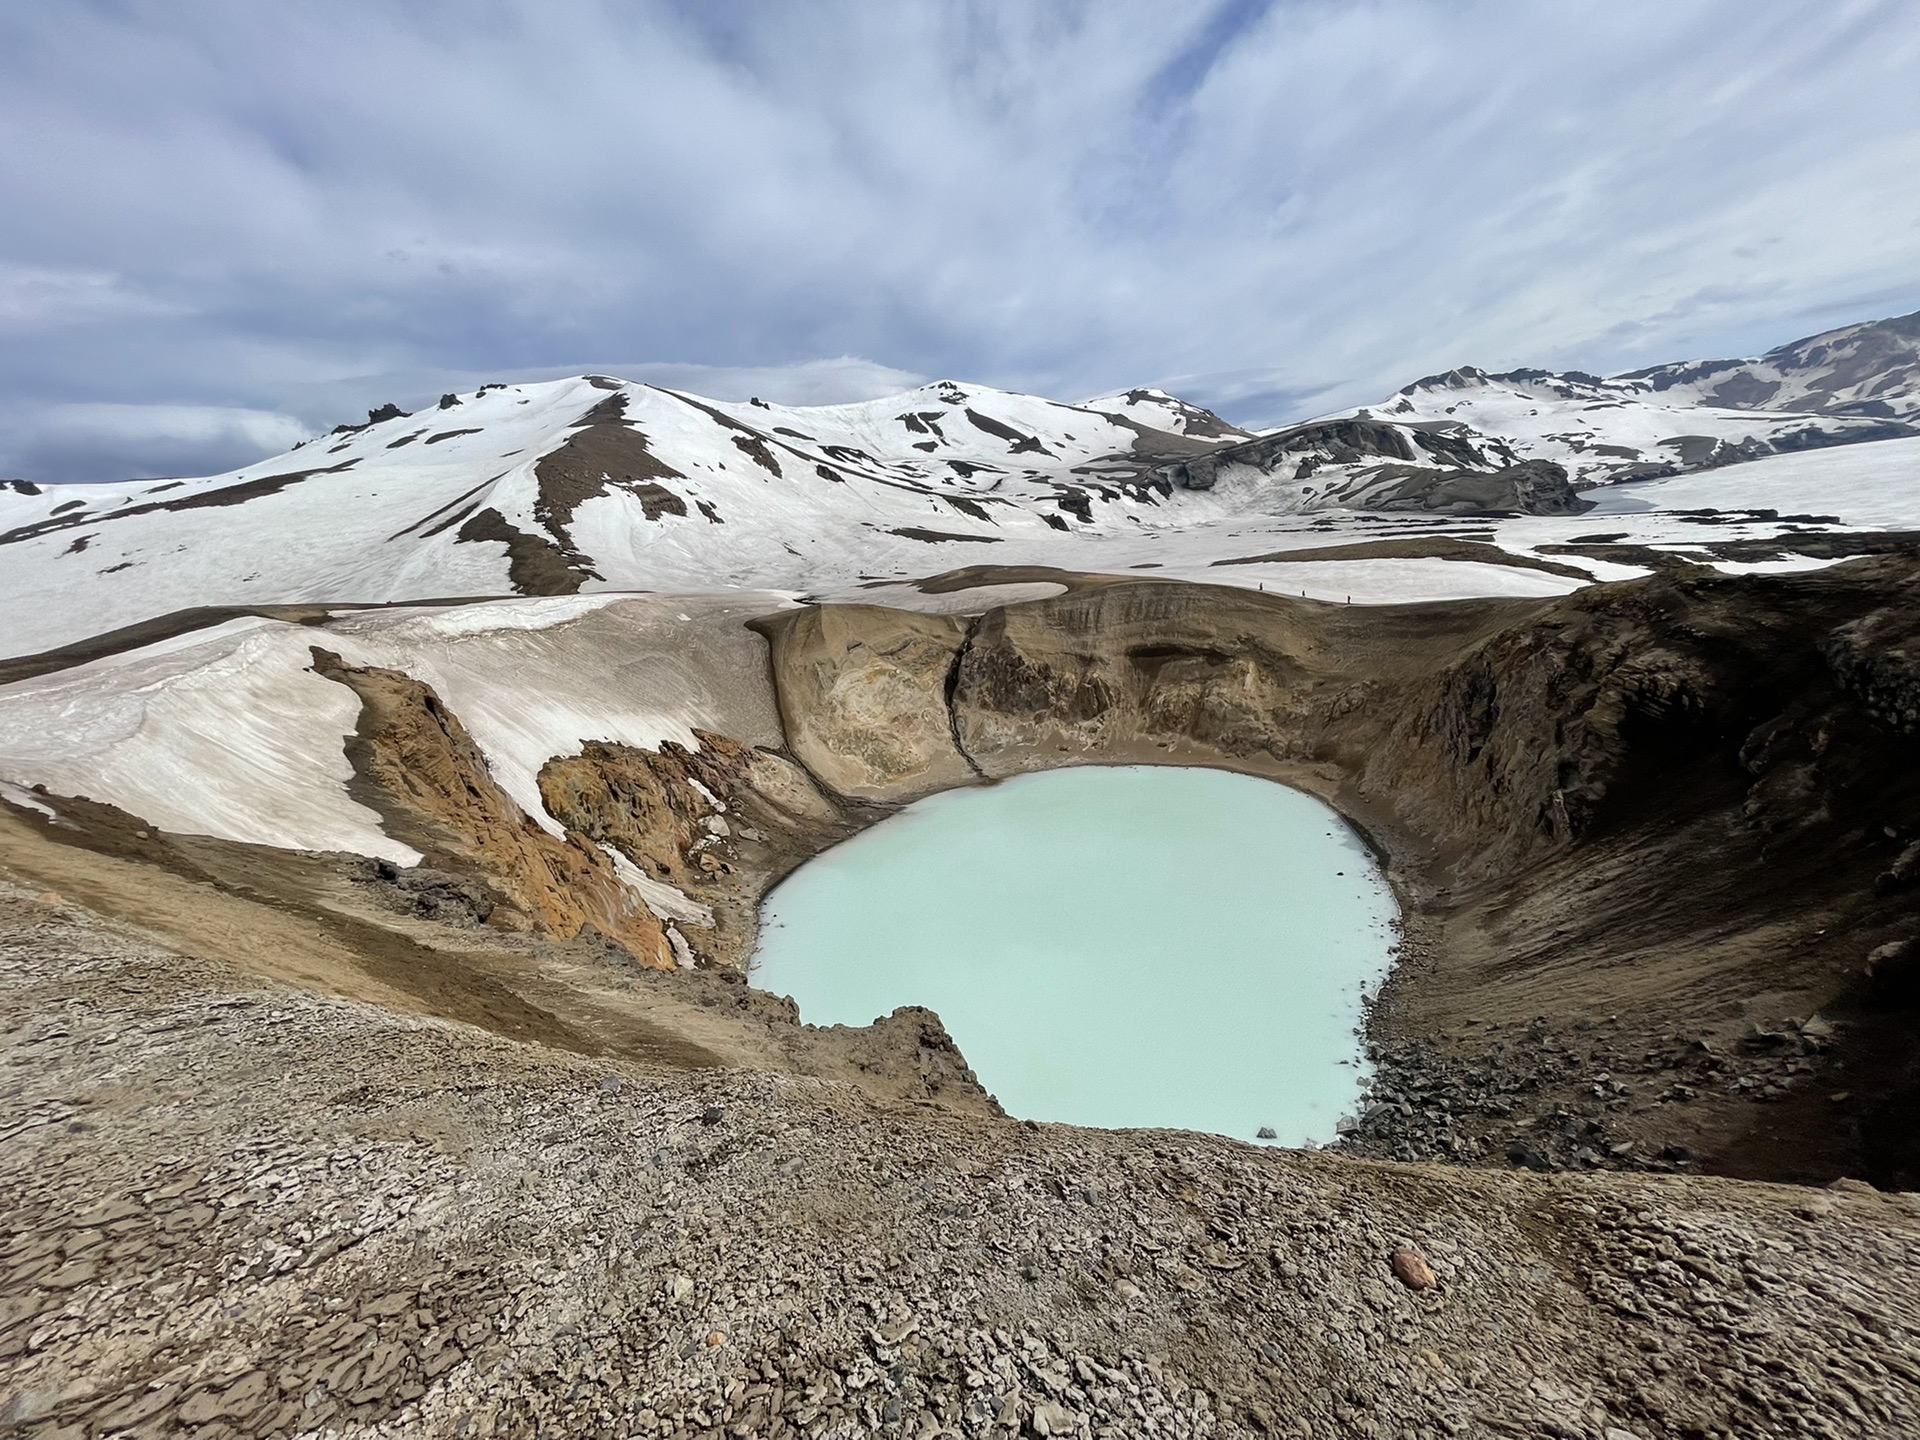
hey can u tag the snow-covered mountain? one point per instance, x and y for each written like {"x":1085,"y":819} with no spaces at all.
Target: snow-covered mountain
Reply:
{"x":1845,"y":386}
{"x":1356,"y":462}
{"x":1870,"y":370}
{"x":542,"y":489}
{"x":1167,"y":414}
{"x":598,"y":484}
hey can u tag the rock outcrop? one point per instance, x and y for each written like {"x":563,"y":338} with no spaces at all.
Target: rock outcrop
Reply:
{"x":1532,"y":487}
{"x":416,"y":765}
{"x":719,"y":825}
{"x":863,"y":696}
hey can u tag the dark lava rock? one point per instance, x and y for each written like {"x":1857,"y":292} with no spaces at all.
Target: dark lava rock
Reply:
{"x":1524,"y":1154}
{"x":428,"y":894}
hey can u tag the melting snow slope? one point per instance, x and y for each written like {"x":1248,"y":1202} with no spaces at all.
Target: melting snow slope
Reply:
{"x":228,"y":732}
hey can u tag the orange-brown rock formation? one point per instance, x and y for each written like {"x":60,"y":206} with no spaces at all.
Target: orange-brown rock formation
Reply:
{"x":719,"y":824}
{"x":416,"y":765}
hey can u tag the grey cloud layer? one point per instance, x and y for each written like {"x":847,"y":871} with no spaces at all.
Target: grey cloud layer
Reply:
{"x":260,"y":217}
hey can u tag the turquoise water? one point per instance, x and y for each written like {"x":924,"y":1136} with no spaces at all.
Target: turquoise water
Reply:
{"x":1113,"y":946}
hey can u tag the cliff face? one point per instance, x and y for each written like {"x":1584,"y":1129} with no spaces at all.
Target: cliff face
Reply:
{"x":1779,"y":702}
{"x":863,"y":698}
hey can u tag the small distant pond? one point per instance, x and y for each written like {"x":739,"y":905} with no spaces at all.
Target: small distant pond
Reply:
{"x":1109,"y":946}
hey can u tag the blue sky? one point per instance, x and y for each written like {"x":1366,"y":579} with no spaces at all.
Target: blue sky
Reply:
{"x":224,"y":225}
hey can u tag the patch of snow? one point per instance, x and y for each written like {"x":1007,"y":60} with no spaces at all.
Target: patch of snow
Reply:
{"x":682,"y":952}
{"x":667,"y":902}
{"x":1397,"y":581}
{"x":974,"y":600}
{"x":226,"y":732}
{"x":622,"y":669}
{"x":1873,"y":486}
{"x":19,"y":795}
{"x":456,"y":622}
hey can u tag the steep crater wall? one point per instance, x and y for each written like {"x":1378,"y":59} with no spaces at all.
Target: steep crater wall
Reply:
{"x":1655,"y":841}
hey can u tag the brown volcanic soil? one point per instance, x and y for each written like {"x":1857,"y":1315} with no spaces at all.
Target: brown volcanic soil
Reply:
{"x":327,"y":1143}
{"x":241,"y":1207}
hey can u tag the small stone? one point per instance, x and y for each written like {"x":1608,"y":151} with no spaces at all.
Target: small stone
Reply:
{"x":610,"y":1085}
{"x":1266,"y":1132}
{"x":1411,"y":1269}
{"x":678,"y":1288}
{"x":715,"y":1339}
{"x":71,"y":1275}
{"x":1052,"y":1419}
{"x":712,"y":1115}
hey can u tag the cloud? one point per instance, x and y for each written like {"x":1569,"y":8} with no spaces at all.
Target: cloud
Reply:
{"x":91,"y":441}
{"x":281,"y":208}
{"x":36,"y":299}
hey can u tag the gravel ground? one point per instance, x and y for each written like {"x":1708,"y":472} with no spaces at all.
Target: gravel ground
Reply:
{"x":240,"y":1210}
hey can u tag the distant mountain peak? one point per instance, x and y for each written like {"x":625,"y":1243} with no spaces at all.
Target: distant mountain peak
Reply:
{"x":1857,"y":383}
